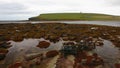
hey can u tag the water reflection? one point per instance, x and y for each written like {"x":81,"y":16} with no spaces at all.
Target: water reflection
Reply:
{"x":29,"y":46}
{"x":108,"y":23}
{"x":109,"y":53}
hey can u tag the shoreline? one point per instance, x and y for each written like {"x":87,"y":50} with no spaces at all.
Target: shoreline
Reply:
{"x":53,"y":20}
{"x":102,"y":23}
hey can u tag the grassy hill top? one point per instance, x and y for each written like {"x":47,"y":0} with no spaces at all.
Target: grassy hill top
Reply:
{"x":74,"y":16}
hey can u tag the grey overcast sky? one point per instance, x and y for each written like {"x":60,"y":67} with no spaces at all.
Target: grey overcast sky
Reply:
{"x":23,"y":9}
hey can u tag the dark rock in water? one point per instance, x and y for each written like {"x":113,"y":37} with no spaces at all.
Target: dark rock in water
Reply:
{"x":69,"y":43}
{"x":2,"y":56}
{"x":17,"y":38}
{"x":117,"y":43}
{"x":4,"y":45}
{"x":72,"y":38}
{"x":65,"y":38}
{"x":43,"y":44}
{"x":2,"y":38}
{"x":54,"y":39}
{"x":117,"y":65}
{"x":99,"y":43}
{"x":16,"y":65}
{"x":3,"y":53}
{"x":52,"y":53}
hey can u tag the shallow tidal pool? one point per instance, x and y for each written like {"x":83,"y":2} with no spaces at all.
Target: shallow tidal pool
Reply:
{"x":108,"y":52}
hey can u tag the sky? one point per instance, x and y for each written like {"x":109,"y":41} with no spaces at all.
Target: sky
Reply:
{"x":24,"y":9}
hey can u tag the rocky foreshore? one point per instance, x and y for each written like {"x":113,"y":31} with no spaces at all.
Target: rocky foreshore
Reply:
{"x":54,"y":32}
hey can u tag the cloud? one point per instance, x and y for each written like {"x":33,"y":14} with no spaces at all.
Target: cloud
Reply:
{"x":113,"y":3}
{"x":12,"y":6}
{"x":23,"y":9}
{"x":14,"y":12}
{"x":14,"y":17}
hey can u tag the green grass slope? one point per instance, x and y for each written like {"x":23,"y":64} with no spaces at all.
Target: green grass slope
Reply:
{"x":74,"y":16}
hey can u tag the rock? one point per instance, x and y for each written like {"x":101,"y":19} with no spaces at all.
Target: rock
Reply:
{"x":113,"y":31}
{"x":95,"y":55}
{"x":16,"y":65}
{"x":2,"y":56}
{"x":5,"y":44}
{"x":52,"y":53}
{"x":99,"y":43}
{"x":89,"y":60}
{"x":117,"y":65}
{"x":53,"y":38}
{"x":69,"y":43}
{"x":98,"y":61}
{"x":43,"y":44}
{"x":117,"y":44}
{"x":3,"y":53}
{"x":72,"y":38}
{"x":17,"y":38}
{"x":65,"y":38}
{"x":3,"y":50}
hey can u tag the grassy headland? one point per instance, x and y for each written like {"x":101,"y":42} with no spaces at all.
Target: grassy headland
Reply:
{"x":75,"y":16}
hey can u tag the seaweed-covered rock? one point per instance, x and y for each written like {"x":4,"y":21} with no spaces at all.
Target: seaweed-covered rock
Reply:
{"x":117,"y":65}
{"x":16,"y":65}
{"x":2,"y":50}
{"x":117,"y":43}
{"x":65,"y":38}
{"x":3,"y":53}
{"x":54,"y":38}
{"x":5,"y":44}
{"x":69,"y":43}
{"x":43,"y":44}
{"x":52,"y":53}
{"x":2,"y":56}
{"x":17,"y":38}
{"x":99,"y":43}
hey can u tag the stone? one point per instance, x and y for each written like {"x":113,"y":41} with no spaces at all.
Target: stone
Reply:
{"x":43,"y":44}
{"x":52,"y":53}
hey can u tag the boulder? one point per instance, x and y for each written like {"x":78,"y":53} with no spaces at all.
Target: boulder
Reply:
{"x":3,"y":53}
{"x":117,"y":65}
{"x":17,"y":38}
{"x":54,"y":38}
{"x":99,"y":43}
{"x":16,"y":65}
{"x":65,"y":38}
{"x":69,"y":43}
{"x":52,"y":53}
{"x":2,"y":56}
{"x":5,"y":44}
{"x":43,"y":44}
{"x":117,"y":44}
{"x":72,"y":38}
